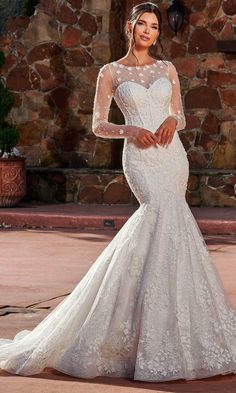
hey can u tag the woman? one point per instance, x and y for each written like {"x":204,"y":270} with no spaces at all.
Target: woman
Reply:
{"x":152,"y":306}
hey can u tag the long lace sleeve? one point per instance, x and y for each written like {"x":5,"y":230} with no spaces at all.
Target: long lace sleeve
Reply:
{"x":176,"y":106}
{"x":102,"y":101}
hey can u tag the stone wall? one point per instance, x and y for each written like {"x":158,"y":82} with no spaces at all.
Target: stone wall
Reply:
{"x":8,"y":9}
{"x":52,"y":63}
{"x":52,"y":185}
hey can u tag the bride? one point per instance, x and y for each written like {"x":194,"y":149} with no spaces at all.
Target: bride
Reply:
{"x":152,"y":306}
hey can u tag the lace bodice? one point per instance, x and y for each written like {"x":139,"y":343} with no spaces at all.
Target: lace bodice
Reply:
{"x":145,"y":95}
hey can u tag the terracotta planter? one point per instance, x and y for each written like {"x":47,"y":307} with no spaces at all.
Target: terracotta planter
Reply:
{"x":12,"y":180}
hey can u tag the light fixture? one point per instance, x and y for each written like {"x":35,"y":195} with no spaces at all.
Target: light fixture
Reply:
{"x":175,"y":15}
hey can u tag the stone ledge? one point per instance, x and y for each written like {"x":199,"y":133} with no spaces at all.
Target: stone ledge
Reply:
{"x":73,"y":170}
{"x":212,"y":171}
{"x":202,"y":171}
{"x":211,"y":220}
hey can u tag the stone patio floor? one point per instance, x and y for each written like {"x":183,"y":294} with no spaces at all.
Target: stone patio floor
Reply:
{"x":39,"y":267}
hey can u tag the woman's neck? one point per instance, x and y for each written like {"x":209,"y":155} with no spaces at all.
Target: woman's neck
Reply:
{"x":137,"y":57}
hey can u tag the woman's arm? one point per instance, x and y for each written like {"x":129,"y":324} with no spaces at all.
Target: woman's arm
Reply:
{"x":102,"y":101}
{"x":176,"y":106}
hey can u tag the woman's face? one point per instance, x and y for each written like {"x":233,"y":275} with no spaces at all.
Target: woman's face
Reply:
{"x":146,"y":29}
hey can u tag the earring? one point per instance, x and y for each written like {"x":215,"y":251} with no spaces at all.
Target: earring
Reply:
{"x":154,"y":43}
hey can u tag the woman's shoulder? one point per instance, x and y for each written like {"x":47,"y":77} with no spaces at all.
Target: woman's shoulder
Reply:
{"x":165,"y":61}
{"x":106,"y":68}
{"x":170,"y":63}
{"x":107,"y":65}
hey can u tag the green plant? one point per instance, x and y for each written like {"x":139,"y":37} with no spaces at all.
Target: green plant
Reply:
{"x":9,"y":134}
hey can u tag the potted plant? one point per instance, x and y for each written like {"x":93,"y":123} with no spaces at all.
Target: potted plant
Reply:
{"x":12,"y":166}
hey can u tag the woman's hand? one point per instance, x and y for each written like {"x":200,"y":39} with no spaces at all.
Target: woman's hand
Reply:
{"x":144,"y":138}
{"x":164,"y":134}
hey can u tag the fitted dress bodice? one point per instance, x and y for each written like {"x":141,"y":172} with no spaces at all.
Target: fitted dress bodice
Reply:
{"x":143,"y":95}
{"x":147,"y":95}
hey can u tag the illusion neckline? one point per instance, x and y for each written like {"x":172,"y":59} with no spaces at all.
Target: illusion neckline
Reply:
{"x":133,"y":66}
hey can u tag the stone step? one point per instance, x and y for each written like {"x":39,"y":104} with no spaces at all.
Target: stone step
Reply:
{"x":211,"y":220}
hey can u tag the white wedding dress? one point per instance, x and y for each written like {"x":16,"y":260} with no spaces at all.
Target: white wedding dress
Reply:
{"x":152,"y":306}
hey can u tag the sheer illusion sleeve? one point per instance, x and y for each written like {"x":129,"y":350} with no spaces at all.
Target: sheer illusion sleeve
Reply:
{"x":176,"y":106}
{"x":102,"y":101}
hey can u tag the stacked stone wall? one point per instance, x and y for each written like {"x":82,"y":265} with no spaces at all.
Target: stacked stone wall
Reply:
{"x":52,"y":62}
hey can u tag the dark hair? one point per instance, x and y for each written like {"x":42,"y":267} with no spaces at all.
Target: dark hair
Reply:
{"x":134,"y":15}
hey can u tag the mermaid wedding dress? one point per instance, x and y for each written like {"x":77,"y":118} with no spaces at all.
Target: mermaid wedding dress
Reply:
{"x":152,"y":306}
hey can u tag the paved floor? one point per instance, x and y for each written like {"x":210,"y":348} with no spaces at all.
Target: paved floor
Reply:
{"x":40,"y":267}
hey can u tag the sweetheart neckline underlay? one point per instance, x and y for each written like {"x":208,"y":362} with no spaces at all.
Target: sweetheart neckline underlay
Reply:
{"x":144,"y":87}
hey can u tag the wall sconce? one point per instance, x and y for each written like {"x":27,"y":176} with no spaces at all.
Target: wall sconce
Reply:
{"x":175,"y":15}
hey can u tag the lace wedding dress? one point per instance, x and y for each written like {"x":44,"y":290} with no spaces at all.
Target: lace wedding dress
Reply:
{"x":152,"y":306}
